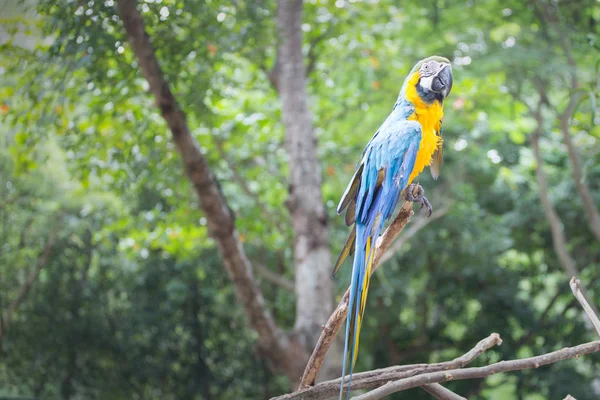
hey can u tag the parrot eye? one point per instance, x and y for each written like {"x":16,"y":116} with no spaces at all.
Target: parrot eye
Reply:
{"x":428,"y":69}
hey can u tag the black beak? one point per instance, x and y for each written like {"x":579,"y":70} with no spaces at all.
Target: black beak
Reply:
{"x":442,"y":82}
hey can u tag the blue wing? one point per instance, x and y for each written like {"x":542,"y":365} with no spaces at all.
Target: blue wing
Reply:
{"x":372,"y":195}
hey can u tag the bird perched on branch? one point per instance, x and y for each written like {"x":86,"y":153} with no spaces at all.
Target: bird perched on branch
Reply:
{"x":408,"y":140}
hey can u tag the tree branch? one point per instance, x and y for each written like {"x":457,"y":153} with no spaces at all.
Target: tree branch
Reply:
{"x":280,"y":350}
{"x":441,"y":393}
{"x":481,"y":372}
{"x":398,"y":378}
{"x":338,"y":316}
{"x":576,"y":289}
{"x":41,"y":263}
{"x":378,"y":377}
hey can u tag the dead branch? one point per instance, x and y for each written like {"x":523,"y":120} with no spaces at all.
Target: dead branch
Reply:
{"x":378,"y":377}
{"x":481,"y":372}
{"x":441,"y":393}
{"x":576,"y":289}
{"x":502,"y":366}
{"x":398,"y":378}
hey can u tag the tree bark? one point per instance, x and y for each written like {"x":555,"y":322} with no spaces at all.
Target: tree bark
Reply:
{"x":312,"y":258}
{"x":285,"y":354}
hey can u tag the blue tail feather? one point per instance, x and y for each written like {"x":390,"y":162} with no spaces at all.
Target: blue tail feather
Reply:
{"x":359,"y":258}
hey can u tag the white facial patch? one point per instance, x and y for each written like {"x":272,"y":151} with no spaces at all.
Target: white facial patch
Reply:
{"x":426,"y":82}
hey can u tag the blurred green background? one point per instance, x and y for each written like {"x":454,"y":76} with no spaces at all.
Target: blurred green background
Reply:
{"x":111,"y":288}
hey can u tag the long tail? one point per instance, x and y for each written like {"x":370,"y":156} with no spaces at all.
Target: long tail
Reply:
{"x":359,"y":287}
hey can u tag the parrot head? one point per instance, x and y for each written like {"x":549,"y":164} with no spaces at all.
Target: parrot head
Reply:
{"x":433,"y":77}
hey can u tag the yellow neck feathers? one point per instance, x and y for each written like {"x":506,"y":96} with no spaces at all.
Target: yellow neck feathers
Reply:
{"x":430,"y":117}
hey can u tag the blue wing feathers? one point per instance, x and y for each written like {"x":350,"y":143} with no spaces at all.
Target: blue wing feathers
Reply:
{"x":393,"y":149}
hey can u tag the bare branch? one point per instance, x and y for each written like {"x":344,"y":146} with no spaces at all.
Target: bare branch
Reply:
{"x":398,"y":378}
{"x":441,"y":393}
{"x":378,"y":377}
{"x":281,"y":351}
{"x":338,"y":316}
{"x":481,"y":372}
{"x":576,"y":289}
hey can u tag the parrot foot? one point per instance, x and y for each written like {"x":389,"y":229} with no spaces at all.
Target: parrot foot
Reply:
{"x":416,"y":194}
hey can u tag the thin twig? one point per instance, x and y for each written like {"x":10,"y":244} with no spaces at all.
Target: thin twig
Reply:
{"x":481,"y":372}
{"x":441,"y":393}
{"x":576,"y":289}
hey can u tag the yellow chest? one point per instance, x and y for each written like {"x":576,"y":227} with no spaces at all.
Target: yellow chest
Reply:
{"x":430,"y":117}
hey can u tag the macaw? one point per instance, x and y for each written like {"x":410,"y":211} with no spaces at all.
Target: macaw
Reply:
{"x":408,"y":140}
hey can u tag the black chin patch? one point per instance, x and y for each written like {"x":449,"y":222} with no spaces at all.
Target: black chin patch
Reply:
{"x":428,"y":96}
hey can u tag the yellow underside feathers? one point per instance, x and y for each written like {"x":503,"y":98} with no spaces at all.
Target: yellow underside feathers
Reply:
{"x":363,"y":297}
{"x":429,"y":116}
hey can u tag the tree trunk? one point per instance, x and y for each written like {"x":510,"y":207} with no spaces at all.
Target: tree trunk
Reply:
{"x":284,"y":353}
{"x":312,"y":258}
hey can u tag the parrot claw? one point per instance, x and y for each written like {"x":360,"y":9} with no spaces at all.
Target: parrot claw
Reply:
{"x":418,"y":197}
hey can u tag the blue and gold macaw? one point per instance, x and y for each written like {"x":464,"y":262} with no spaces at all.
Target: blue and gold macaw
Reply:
{"x":408,"y":140}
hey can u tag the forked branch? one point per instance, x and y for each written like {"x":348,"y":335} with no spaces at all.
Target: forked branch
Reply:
{"x":429,"y":376}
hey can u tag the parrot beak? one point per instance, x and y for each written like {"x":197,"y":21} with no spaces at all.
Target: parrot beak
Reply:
{"x":442,"y":81}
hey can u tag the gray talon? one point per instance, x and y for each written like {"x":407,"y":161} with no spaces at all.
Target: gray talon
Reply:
{"x":419,"y":197}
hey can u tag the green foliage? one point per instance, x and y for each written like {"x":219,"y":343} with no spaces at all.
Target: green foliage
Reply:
{"x":133,"y":301}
